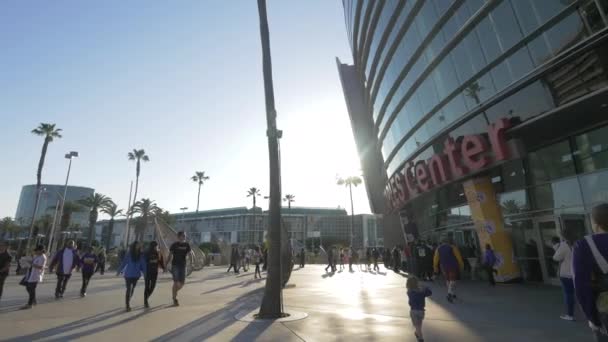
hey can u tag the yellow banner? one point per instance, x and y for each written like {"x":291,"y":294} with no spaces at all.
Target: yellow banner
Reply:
{"x":487,"y":216}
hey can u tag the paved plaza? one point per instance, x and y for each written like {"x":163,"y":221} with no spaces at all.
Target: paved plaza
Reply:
{"x":359,"y":306}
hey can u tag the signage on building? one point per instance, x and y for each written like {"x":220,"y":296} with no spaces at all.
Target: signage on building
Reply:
{"x":461,"y":157}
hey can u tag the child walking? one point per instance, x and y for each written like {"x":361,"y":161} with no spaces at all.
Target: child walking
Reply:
{"x":417,"y":300}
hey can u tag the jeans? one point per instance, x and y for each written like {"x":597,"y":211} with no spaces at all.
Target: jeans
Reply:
{"x":31,"y":290}
{"x":568,"y":288}
{"x":130,"y":282}
{"x":62,"y":282}
{"x":150,"y":281}
{"x":2,"y":279}
{"x":86,"y":277}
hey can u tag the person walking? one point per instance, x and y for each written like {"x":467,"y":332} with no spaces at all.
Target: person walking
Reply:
{"x":350,"y":255}
{"x":179,"y":251}
{"x":34,"y":275}
{"x":427,"y":262}
{"x":341,"y":259}
{"x":417,"y":301}
{"x":232,"y":264}
{"x":330,"y":259}
{"x":448,"y":257}
{"x":590,"y":273}
{"x":5,"y":264}
{"x":302,"y":257}
{"x":154,"y":261}
{"x":489,"y":261}
{"x":101,"y":261}
{"x":563,"y":255}
{"x":257,"y":260}
{"x":376,"y":256}
{"x":386,"y":258}
{"x":88,"y":264}
{"x":396,"y":259}
{"x":132,"y":267}
{"x":66,"y":260}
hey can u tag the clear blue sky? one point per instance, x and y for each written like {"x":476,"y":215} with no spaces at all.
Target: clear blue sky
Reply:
{"x":183,"y":80}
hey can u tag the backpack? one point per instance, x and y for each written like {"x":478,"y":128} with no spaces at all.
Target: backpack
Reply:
{"x":601,"y":282}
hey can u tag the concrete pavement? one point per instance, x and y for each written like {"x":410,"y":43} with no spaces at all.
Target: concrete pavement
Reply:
{"x":359,"y":306}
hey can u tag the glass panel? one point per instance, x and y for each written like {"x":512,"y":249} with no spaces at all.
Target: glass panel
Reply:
{"x":387,"y":12}
{"x":592,"y":150}
{"x":487,"y":37}
{"x":514,"y":202}
{"x":505,"y":25}
{"x":479,"y":91}
{"x":561,"y":194}
{"x":595,"y":188}
{"x":548,"y":232}
{"x":551,"y":162}
{"x":526,"y":103}
{"x":591,"y":16}
{"x":513,"y":175}
{"x":525,"y":247}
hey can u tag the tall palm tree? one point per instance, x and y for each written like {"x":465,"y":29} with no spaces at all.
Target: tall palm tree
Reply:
{"x":49,"y":132}
{"x":146,"y":208}
{"x":289,"y":198}
{"x":349,"y":182}
{"x":200,"y":178}
{"x":94,"y":202}
{"x":138,"y":156}
{"x":473,"y":91}
{"x":111,"y":209}
{"x":253,"y":192}
{"x":272,"y":302}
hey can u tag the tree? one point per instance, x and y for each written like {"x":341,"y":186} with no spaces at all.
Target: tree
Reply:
{"x":200,"y":178}
{"x":253,"y":192}
{"x":349,"y":182}
{"x":7,"y":225}
{"x":289,"y":198}
{"x":49,"y":132}
{"x":94,"y":202}
{"x":44,"y":225}
{"x":146,"y":208}
{"x":272,"y":302}
{"x":110,"y":209}
{"x":138,"y":156}
{"x":165,"y":216}
{"x":473,"y":91}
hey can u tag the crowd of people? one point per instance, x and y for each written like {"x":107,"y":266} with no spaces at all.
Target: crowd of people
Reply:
{"x":134,"y":263}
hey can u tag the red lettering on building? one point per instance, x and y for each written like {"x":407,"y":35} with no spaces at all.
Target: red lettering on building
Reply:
{"x":459,"y":158}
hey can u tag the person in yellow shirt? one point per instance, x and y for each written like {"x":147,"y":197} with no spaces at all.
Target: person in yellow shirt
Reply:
{"x":448,"y":257}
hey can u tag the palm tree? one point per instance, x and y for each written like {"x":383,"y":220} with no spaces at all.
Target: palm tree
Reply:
{"x":7,"y":225}
{"x":138,"y":156}
{"x":200,"y":178}
{"x":146,"y":208}
{"x":43,"y":225}
{"x":473,"y":91}
{"x":272,"y":302}
{"x":49,"y":132}
{"x":94,"y":202}
{"x":111,"y":209}
{"x":289,"y":198}
{"x":349,"y":182}
{"x":253,"y":192}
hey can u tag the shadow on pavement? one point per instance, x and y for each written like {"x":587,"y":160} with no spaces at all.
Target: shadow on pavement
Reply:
{"x":214,"y":322}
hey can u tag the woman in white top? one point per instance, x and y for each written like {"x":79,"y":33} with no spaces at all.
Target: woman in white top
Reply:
{"x":563,"y":255}
{"x":35,"y":275}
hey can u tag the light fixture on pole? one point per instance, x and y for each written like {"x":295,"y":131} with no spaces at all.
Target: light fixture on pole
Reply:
{"x":183,"y":209}
{"x":71,"y":155}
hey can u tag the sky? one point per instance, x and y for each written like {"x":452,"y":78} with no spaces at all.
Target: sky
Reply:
{"x":182,"y":80}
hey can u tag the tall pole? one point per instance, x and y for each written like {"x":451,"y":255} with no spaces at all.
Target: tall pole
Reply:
{"x":352,"y":215}
{"x":129,"y":211}
{"x":30,"y":235}
{"x":272,"y":303}
{"x":65,"y":192}
{"x":52,"y":234}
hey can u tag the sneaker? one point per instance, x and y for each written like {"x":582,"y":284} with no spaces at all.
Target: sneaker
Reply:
{"x":175,"y":302}
{"x":128,"y":309}
{"x":83,"y":294}
{"x":418,"y":338}
{"x":567,"y":318}
{"x":146,"y":305}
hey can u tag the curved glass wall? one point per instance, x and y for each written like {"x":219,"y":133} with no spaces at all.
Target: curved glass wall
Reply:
{"x":450,"y":57}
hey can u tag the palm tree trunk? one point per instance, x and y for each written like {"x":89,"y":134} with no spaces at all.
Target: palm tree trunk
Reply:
{"x":45,"y":146}
{"x":352,"y":214}
{"x":272,"y":302}
{"x":91,"y":232}
{"x":253,"y":201}
{"x":110,"y":232}
{"x":198,"y":200}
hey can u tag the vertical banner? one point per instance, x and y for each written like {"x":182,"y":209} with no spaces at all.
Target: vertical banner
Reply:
{"x":487,"y":216}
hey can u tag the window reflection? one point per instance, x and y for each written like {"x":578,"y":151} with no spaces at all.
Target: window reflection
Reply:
{"x":592,"y":150}
{"x":550,"y":163}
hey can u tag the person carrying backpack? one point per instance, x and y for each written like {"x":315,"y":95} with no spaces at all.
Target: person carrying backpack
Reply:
{"x":590,"y":272}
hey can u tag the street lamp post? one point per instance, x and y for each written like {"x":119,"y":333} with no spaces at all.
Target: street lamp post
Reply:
{"x":31,"y":233}
{"x":71,"y":155}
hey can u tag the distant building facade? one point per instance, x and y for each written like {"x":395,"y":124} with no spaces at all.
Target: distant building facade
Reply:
{"x":305,"y":226}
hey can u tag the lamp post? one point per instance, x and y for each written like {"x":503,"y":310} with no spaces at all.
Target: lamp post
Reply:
{"x":52,"y":233}
{"x":30,"y":236}
{"x":71,"y":155}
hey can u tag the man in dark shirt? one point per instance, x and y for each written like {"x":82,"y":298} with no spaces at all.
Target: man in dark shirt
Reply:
{"x":5,"y":264}
{"x":179,"y":251}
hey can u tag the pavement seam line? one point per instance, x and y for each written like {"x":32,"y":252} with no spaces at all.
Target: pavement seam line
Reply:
{"x":293,"y":332}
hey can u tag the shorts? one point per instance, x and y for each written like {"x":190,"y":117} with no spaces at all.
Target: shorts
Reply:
{"x":450,"y":275}
{"x":417,"y":317}
{"x":178,"y":273}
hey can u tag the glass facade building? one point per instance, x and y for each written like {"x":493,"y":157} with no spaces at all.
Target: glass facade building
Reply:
{"x":432,"y":71}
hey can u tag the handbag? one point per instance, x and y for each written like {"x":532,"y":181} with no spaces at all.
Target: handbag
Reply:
{"x":23,"y":281}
